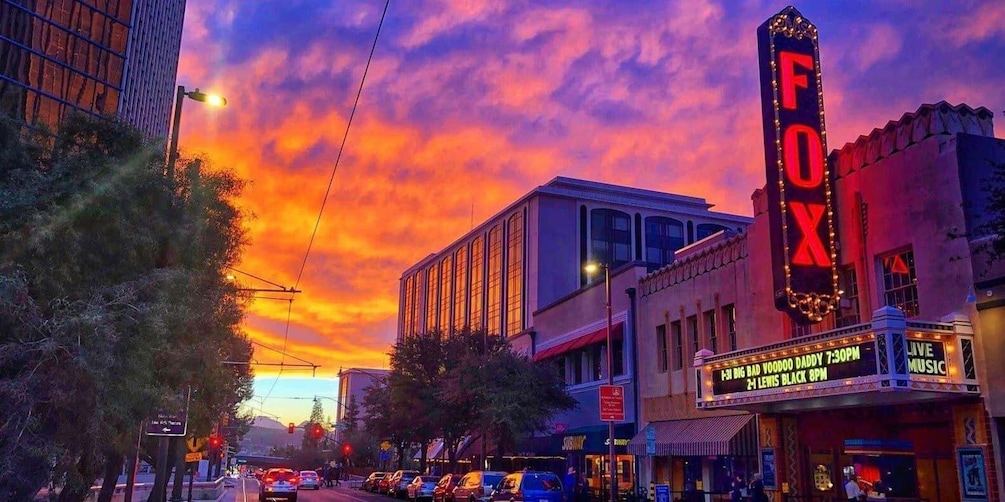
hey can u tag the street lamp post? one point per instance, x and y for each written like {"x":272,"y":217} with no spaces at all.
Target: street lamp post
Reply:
{"x":211,"y":99}
{"x":612,"y":458}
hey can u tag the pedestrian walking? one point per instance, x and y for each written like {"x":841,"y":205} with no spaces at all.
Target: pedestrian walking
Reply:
{"x":338,"y":474}
{"x":757,"y":489}
{"x":736,"y":491}
{"x":571,"y":484}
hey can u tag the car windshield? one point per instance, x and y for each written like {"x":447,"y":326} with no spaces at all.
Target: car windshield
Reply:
{"x":379,"y":475}
{"x":281,"y":475}
{"x":542,"y":482}
{"x":491,"y":480}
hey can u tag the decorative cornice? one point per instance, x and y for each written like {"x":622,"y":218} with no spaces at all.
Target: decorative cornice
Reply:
{"x":791,"y":23}
{"x":716,"y":256}
{"x":913,"y":127}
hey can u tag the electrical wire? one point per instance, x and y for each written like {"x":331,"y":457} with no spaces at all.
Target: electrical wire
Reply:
{"x":342,"y":146}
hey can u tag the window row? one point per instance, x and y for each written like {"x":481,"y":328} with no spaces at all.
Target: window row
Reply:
{"x":589,"y":364}
{"x":706,"y":332}
{"x":480,"y":285}
{"x":612,"y":240}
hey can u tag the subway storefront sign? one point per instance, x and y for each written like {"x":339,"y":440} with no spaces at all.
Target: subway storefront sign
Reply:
{"x":932,"y":358}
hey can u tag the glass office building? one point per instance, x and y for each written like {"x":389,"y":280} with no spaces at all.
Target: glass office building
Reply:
{"x":100,"y":57}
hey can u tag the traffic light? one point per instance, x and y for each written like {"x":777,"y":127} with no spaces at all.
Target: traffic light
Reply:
{"x":318,"y":431}
{"x":215,"y":442}
{"x":346,"y":449}
{"x":291,"y":428}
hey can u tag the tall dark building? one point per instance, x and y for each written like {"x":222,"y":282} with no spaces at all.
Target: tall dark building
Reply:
{"x":100,"y":57}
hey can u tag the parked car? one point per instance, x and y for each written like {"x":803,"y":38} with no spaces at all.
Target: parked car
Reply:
{"x":444,"y":491}
{"x":384,"y":483}
{"x":476,"y":486}
{"x":398,"y":484}
{"x":279,"y":484}
{"x":421,"y":488}
{"x":370,"y":484}
{"x":529,"y":486}
{"x":309,"y":479}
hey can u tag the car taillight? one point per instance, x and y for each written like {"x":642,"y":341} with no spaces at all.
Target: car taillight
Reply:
{"x":269,"y":480}
{"x":295,"y":480}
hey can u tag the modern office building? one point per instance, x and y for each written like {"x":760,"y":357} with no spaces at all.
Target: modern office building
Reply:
{"x":902,"y":382}
{"x":532,"y":253}
{"x":99,"y":57}
{"x":352,"y":387}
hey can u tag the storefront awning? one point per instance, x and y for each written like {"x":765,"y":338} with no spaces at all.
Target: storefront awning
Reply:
{"x":734,"y":435}
{"x":600,"y":335}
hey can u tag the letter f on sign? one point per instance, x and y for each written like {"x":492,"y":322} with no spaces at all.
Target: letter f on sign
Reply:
{"x":789,"y":79}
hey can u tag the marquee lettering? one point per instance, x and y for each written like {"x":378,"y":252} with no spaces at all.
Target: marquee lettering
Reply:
{"x":790,"y":80}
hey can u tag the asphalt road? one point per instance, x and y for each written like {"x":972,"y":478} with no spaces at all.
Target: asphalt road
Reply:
{"x":246,"y":490}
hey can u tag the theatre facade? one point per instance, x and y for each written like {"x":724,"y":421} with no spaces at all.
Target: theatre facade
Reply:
{"x":853,"y":329}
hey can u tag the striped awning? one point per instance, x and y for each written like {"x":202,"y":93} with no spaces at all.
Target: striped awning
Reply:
{"x":600,"y":335}
{"x":734,"y":435}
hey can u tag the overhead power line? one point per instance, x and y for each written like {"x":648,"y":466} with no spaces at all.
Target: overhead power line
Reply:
{"x":342,"y":146}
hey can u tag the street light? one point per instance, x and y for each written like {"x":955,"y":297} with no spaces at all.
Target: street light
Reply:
{"x":210,"y":99}
{"x":591,"y":268}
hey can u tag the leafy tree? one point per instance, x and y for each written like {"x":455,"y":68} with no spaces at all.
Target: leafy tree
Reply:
{"x":512,"y":395}
{"x":112,"y":300}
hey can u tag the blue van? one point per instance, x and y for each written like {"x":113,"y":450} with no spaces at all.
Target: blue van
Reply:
{"x":529,"y":486}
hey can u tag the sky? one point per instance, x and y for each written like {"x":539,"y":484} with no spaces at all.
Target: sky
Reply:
{"x":469,"y":105}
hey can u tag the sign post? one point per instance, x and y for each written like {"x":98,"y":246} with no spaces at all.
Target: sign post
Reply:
{"x":612,"y":403}
{"x":650,"y":440}
{"x":662,"y":493}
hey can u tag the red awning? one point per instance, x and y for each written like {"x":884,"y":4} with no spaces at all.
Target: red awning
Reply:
{"x":600,"y":335}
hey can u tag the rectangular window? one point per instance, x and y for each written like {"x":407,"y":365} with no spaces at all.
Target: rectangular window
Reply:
{"x":618,"y":356}
{"x":577,"y":366}
{"x":514,"y":275}
{"x":494,"y":309}
{"x":692,"y":328}
{"x":729,"y":313}
{"x":406,"y":306}
{"x":678,"y":345}
{"x":446,"y":295}
{"x":799,"y":330}
{"x":477,"y":283}
{"x":596,"y":362}
{"x":661,"y":348}
{"x":460,"y":288}
{"x":900,"y":282}
{"x":432,"y":297}
{"x":713,"y":341}
{"x":849,"y":315}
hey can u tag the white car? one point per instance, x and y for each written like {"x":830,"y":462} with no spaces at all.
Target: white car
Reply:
{"x":279,"y":484}
{"x":309,"y":479}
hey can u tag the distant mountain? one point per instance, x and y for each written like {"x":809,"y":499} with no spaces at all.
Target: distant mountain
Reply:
{"x":268,"y":423}
{"x":259,"y":440}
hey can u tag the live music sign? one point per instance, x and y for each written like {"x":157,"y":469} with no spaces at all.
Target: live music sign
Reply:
{"x":800,"y":205}
{"x":612,"y":403}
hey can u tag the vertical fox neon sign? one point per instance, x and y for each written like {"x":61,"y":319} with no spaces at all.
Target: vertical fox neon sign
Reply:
{"x":800,"y":208}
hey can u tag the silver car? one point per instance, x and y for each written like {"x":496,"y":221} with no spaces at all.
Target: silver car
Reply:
{"x":309,"y":479}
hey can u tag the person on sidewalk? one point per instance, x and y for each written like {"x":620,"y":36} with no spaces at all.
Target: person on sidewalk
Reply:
{"x":338,"y":474}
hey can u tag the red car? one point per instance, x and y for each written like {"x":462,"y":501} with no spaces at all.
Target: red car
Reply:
{"x":444,"y":491}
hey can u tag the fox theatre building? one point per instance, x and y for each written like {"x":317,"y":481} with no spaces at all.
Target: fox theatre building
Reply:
{"x":865,"y":357}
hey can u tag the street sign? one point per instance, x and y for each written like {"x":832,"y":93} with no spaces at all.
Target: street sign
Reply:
{"x":193,"y":457}
{"x":166,"y":423}
{"x":650,"y":440}
{"x":612,"y":403}
{"x":662,"y":493}
{"x":195,"y":444}
{"x":385,"y":445}
{"x":172,"y":420}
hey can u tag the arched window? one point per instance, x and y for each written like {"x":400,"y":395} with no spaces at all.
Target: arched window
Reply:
{"x":514,"y":274}
{"x":432,"y":296}
{"x":610,"y":237}
{"x":446,"y":281}
{"x":707,"y":229}
{"x":460,"y":288}
{"x":494,"y":309}
{"x":477,"y":283}
{"x":663,"y":237}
